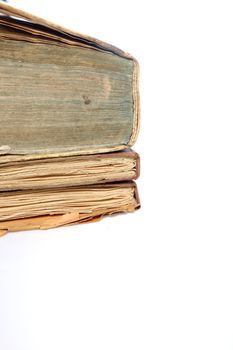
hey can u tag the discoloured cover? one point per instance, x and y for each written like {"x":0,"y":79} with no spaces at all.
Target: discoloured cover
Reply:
{"x":37,"y":30}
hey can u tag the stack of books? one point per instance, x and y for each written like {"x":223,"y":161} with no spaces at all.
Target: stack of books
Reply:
{"x":69,"y":114}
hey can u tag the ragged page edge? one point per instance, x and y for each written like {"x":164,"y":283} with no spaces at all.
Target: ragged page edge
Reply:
{"x":8,"y":158}
{"x":54,"y":221}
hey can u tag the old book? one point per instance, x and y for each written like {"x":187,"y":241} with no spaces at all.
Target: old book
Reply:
{"x":42,"y":209}
{"x":37,"y":171}
{"x":63,"y":92}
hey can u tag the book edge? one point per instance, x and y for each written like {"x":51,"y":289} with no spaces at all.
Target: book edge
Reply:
{"x":136,"y":104}
{"x":53,"y":221}
{"x":13,"y":11}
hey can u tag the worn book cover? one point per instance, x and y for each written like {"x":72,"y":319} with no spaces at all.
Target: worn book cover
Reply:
{"x":61,"y":91}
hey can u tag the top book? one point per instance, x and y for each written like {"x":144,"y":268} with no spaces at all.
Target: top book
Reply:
{"x":63,"y":92}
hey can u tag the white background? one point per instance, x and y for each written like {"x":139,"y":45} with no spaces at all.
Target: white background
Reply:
{"x":161,"y":278}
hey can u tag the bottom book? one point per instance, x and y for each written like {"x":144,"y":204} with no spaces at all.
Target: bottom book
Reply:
{"x":48,"y":208}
